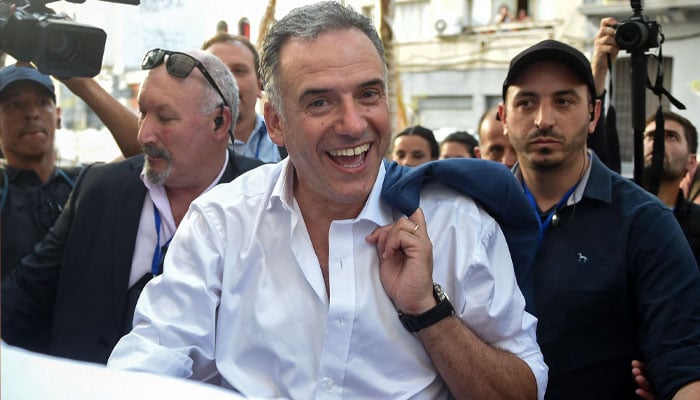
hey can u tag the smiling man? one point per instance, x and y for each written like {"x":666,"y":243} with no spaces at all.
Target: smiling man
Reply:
{"x":300,"y":282}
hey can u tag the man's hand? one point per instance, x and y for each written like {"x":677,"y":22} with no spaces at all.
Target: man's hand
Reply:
{"x":644,"y":391}
{"x":406,"y":263}
{"x":604,"y":44}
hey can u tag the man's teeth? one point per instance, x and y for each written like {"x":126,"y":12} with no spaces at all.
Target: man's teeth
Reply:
{"x":350,"y":152}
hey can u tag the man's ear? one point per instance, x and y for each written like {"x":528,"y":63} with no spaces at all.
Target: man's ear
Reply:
{"x":222,"y":121}
{"x":501,"y":116}
{"x":595,"y":114}
{"x":58,"y":117}
{"x":692,"y":163}
{"x":477,"y":151}
{"x":274,"y":122}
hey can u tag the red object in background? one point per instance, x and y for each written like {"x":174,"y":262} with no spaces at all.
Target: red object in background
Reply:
{"x":244,"y":27}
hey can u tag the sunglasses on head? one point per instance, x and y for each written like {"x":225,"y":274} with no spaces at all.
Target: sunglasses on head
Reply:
{"x":179,"y":65}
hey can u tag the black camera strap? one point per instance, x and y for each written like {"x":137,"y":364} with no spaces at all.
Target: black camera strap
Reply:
{"x":653,"y":179}
{"x":612,"y":139}
{"x":657,"y":88}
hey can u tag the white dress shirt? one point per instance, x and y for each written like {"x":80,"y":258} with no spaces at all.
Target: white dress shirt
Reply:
{"x":243,"y":288}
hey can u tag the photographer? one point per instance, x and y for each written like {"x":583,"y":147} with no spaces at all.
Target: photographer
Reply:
{"x":604,"y":143}
{"x":686,"y":213}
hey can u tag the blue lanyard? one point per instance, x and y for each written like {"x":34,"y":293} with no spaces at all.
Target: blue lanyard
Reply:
{"x":5,"y":188}
{"x":159,"y":252}
{"x":545,"y":224}
{"x":68,"y":179}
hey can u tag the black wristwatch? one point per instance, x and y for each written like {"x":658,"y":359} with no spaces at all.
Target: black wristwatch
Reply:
{"x":443,"y":309}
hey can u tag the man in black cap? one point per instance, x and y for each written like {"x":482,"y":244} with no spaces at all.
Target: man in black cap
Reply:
{"x":33,"y":189}
{"x":614,"y":279}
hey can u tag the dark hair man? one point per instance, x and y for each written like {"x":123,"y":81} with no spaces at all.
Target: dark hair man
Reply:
{"x":250,"y":134}
{"x":614,"y":280}
{"x":299,"y":279}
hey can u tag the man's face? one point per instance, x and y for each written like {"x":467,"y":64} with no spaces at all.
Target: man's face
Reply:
{"x":240,"y":60}
{"x":677,"y":158}
{"x":493,"y":144}
{"x":336,"y":116}
{"x":28,"y":121}
{"x":178,"y":139}
{"x":547,"y":116}
{"x":411,"y":150}
{"x":454,"y":150}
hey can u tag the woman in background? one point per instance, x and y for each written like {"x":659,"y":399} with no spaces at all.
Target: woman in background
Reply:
{"x":415,"y":145}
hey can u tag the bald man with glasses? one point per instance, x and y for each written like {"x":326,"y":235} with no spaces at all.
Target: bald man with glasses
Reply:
{"x":75,"y":295}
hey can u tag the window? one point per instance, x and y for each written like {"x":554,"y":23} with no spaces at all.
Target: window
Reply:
{"x":438,"y":111}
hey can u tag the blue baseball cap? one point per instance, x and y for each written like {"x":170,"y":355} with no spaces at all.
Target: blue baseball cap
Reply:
{"x":13,"y":73}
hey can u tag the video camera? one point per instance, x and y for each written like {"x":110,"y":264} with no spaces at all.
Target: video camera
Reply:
{"x":638,"y":33}
{"x":56,"y":45}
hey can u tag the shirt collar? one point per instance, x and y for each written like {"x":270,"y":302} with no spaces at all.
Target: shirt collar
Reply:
{"x":13,"y":172}
{"x":599,"y":180}
{"x":375,"y":210}
{"x":258,"y":130}
{"x":593,"y":184}
{"x":159,"y":196}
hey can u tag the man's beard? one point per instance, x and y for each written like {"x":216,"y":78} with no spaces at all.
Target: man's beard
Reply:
{"x":553,"y":164}
{"x":667,"y":173}
{"x":157,"y":178}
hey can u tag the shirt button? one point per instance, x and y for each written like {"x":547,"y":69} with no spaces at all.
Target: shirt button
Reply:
{"x":328,"y":383}
{"x":341,"y":321}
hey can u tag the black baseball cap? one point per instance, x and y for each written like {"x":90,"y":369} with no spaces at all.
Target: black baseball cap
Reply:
{"x":551,"y":50}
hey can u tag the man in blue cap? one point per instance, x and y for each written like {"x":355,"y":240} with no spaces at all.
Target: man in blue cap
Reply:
{"x":33,"y":188}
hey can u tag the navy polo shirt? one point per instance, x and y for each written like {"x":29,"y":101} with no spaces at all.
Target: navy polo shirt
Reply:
{"x":615,"y":280}
{"x":29,"y":210}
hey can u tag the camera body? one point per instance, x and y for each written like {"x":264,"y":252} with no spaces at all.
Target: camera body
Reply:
{"x":30,"y":31}
{"x":57,"y":46}
{"x":638,"y":33}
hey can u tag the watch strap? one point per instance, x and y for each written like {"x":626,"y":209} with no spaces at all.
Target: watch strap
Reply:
{"x":443,"y":309}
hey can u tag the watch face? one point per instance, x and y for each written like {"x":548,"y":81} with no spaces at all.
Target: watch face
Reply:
{"x":440,"y":294}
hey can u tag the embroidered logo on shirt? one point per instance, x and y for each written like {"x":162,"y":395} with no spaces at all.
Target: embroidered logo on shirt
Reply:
{"x":582,"y":258}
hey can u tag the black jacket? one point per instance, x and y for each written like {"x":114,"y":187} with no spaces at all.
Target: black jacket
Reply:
{"x":687,"y":214}
{"x":69,"y":298}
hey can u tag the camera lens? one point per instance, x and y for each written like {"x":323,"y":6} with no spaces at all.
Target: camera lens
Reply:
{"x":631,"y":35}
{"x":64,"y":45}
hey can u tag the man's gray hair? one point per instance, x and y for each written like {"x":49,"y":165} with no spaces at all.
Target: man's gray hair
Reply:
{"x":307,"y":23}
{"x":223,"y":78}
